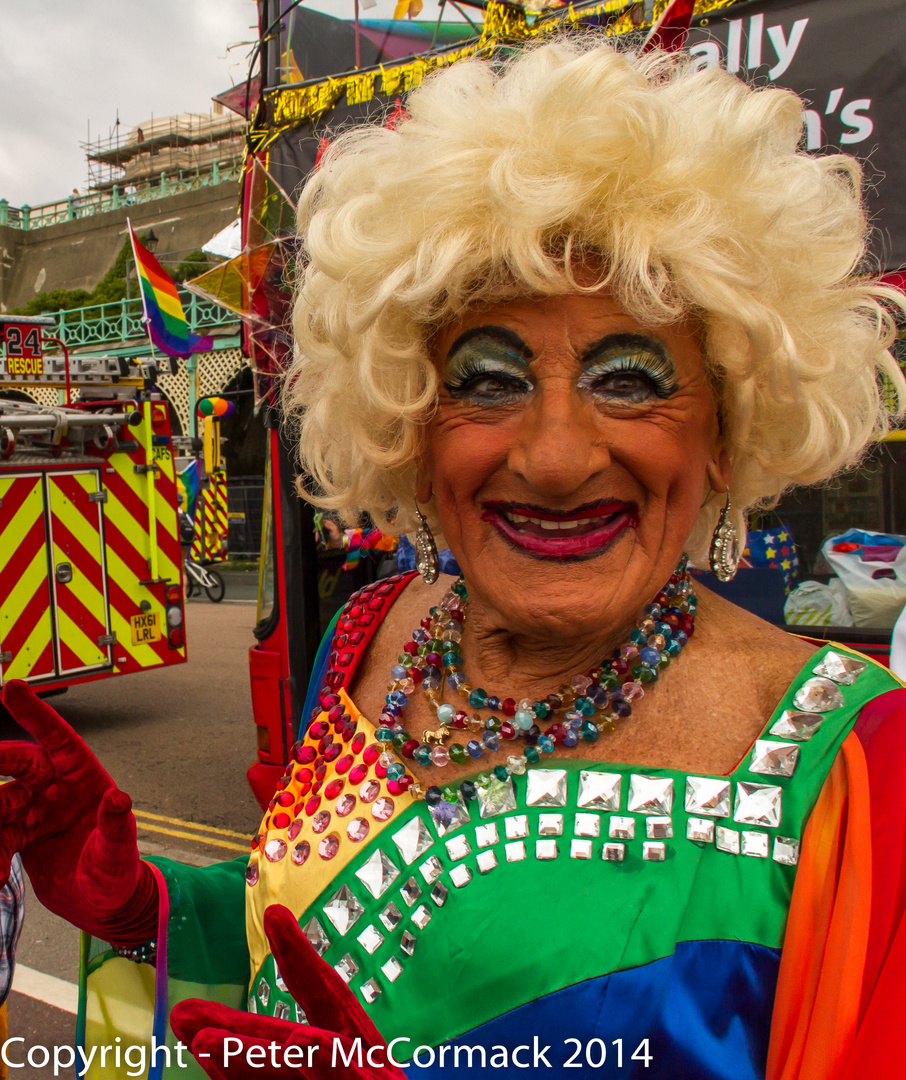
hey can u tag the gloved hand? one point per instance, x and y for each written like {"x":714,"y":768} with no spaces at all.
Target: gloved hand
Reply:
{"x":73,"y":827}
{"x":333,"y":1012}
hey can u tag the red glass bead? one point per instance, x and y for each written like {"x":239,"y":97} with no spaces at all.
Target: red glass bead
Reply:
{"x":408,"y":748}
{"x":425,"y":623}
{"x":411,"y":648}
{"x":434,"y":658}
{"x":416,"y":675}
{"x":333,"y":789}
{"x":620,"y":666}
{"x":687,"y":625}
{"x":357,"y":774}
{"x":285,"y":798}
{"x":371,"y":753}
{"x":312,"y":805}
{"x":318,"y":730}
{"x":460,"y":719}
{"x":507,"y":731}
{"x":404,"y":782}
{"x":458,"y":615}
{"x":557,"y":732}
{"x":508,"y":707}
{"x":280,"y":821}
{"x":344,"y":764}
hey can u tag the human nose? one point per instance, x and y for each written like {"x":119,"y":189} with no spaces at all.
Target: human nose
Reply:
{"x":560,"y":445}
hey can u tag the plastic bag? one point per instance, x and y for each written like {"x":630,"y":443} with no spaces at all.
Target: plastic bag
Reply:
{"x":872,"y":566}
{"x":814,"y":604}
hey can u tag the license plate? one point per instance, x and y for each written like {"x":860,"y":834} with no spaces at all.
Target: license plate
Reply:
{"x":145,"y":627}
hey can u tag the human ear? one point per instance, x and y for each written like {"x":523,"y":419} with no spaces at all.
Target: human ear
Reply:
{"x":720,"y":471}
{"x":423,"y":486}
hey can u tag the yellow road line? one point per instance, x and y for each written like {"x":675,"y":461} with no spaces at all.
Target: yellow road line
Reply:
{"x":183,"y":835}
{"x":190,"y":824}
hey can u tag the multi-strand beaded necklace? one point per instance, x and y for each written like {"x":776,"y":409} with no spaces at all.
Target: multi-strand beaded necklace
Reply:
{"x":580,"y":709}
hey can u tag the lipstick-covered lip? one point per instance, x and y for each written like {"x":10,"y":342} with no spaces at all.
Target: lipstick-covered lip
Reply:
{"x":580,"y":531}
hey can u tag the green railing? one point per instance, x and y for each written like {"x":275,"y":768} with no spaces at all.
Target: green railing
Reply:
{"x":123,"y":320}
{"x":101,"y":202}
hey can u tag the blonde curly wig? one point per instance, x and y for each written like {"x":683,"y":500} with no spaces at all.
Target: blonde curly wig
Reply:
{"x":688,"y":189}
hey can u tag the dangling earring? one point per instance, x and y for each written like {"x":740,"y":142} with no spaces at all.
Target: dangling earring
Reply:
{"x":426,"y":560}
{"x":723,"y":555}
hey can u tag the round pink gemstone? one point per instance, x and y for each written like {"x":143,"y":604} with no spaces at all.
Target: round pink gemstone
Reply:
{"x":345,"y":805}
{"x":357,"y":829}
{"x":369,"y":791}
{"x":320,"y":821}
{"x":251,"y":873}
{"x":274,"y":850}
{"x":301,"y":852}
{"x":329,"y":846}
{"x":382,"y":809}
{"x":294,"y":829}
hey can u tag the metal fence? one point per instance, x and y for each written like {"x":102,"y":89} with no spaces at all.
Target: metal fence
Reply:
{"x":245,"y":495}
{"x":100,"y":202}
{"x":123,"y":320}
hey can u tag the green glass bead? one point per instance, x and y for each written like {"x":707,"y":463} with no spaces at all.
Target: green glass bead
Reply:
{"x":531,"y":754}
{"x":423,"y":649}
{"x":638,"y":671}
{"x":585,"y":706}
{"x":459,"y":587}
{"x":608,"y":679}
{"x":648,"y":675}
{"x":500,"y":771}
{"x":664,"y":662}
{"x":398,"y":738}
{"x":590,"y":731}
{"x":492,"y":723}
{"x":478,"y":698}
{"x":450,"y":793}
{"x":692,"y":599}
{"x":406,"y":660}
{"x":541,"y":709}
{"x":436,"y":645}
{"x":458,"y":753}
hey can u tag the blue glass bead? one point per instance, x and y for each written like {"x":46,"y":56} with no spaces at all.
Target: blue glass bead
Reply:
{"x":670,"y":589}
{"x":395,"y":771}
{"x":433,"y":795}
{"x":432,"y":671}
{"x":420,"y":636}
{"x":649,"y":657}
{"x":637,"y":637}
{"x":681,"y":638}
{"x":457,"y":679}
{"x":493,"y":703}
{"x":664,"y":630}
{"x":445,"y":714}
{"x":478,"y":698}
{"x":523,"y":719}
{"x":573,"y":719}
{"x":397,"y":697}
{"x":546,"y":744}
{"x":393,"y":710}
{"x":422,"y":754}
{"x":468,"y":790}
{"x":474,"y":748}
{"x":450,"y":659}
{"x":532,"y":755}
{"x":491,"y":740}
{"x":674,"y":648}
{"x":590,"y":731}
{"x":398,"y":672}
{"x":585,"y":706}
{"x":597,"y":694}
{"x":571,"y":738}
{"x":384,"y":734}
{"x":501,"y":772}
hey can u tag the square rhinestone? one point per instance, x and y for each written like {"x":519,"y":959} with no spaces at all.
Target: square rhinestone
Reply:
{"x":496,"y":797}
{"x":774,"y":758}
{"x":754,"y":843}
{"x":371,"y":939}
{"x":486,"y":861}
{"x":515,"y":852}
{"x":431,"y":869}
{"x":599,"y":790}
{"x":377,"y":873}
{"x":654,"y":851}
{"x":796,"y":725}
{"x":439,"y":894}
{"x":587,"y":825}
{"x":487,"y":834}
{"x":460,"y":875}
{"x":516,"y":827}
{"x":449,"y":816}
{"x":410,"y":891}
{"x":545,"y":787}
{"x":580,"y":849}
{"x":786,"y":850}
{"x":622,"y":828}
{"x":391,"y":916}
{"x":253,"y":1004}
{"x":546,"y":849}
{"x":700,"y":829}
{"x":650,"y":794}
{"x":264,"y":992}
{"x":318,"y":940}
{"x":550,"y":824}
{"x":343,"y":909}
{"x":281,"y":1010}
{"x":407,"y":943}
{"x":370,"y":991}
{"x":659,"y":828}
{"x":392,"y":969}
{"x":757,"y":804}
{"x":613,"y":852}
{"x":346,"y":968}
{"x":412,"y":840}
{"x":727,"y":840}
{"x":421,"y":916}
{"x":841,"y":668}
{"x":707,"y":795}
{"x":458,"y":847}
{"x":818,"y":695}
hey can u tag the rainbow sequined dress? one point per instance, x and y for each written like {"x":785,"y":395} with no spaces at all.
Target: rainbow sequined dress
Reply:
{"x":585,"y":915}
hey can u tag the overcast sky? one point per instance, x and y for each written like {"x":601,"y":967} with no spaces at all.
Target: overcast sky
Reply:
{"x":64,"y":63}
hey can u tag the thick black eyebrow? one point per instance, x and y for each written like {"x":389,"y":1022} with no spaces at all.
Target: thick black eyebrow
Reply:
{"x":623,"y":341}
{"x":495,"y":333}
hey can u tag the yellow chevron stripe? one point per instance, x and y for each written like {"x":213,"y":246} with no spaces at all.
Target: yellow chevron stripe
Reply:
{"x":11,"y":608}
{"x":32,"y":507}
{"x":77,"y":641}
{"x":24,"y":661}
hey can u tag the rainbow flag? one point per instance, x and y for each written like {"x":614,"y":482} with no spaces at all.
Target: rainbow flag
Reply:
{"x":165,"y":319}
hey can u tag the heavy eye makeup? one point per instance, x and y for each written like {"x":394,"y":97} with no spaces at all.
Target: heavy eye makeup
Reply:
{"x":487,"y":366}
{"x":629,"y":369}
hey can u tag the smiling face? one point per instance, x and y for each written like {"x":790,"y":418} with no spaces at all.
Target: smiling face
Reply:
{"x":568,"y":457}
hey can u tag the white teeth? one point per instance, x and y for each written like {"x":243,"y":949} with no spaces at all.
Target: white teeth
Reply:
{"x":555,"y":526}
{"x":552,"y":526}
{"x":517,"y":518}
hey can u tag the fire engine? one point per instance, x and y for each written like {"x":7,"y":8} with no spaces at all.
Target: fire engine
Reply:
{"x":90,"y":567}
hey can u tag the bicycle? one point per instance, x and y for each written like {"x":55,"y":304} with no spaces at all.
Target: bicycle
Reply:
{"x":203,"y":577}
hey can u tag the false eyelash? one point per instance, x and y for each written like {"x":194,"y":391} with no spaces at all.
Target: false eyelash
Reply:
{"x":657,"y":368}
{"x":457,"y":384}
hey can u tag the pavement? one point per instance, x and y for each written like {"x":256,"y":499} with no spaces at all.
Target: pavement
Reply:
{"x":179,"y":741}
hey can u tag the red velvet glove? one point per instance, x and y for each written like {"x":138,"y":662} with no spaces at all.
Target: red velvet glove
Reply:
{"x":73,"y":827}
{"x":279,"y":1049}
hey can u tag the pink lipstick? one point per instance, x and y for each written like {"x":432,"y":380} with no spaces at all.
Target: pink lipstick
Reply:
{"x":582,"y":532}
